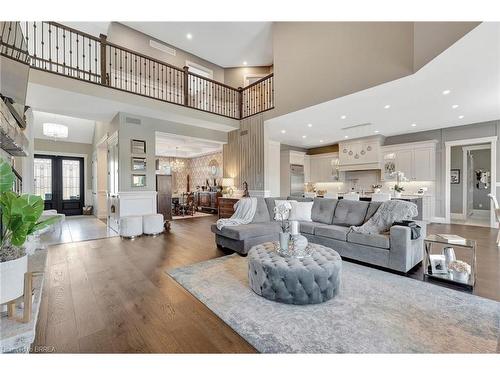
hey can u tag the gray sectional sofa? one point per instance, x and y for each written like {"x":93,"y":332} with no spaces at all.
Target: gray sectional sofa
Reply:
{"x":330,"y":227}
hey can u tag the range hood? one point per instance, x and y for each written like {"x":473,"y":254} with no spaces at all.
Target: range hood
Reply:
{"x":361,"y":154}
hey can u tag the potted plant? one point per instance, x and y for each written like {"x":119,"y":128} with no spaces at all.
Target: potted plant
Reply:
{"x":398,"y":188}
{"x":460,"y":270}
{"x":20,"y":218}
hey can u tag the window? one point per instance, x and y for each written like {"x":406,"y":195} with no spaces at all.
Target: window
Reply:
{"x":71,"y":179}
{"x":43,"y":178}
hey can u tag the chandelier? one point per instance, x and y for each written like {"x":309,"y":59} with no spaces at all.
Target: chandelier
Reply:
{"x":55,"y":130}
{"x":176,"y":165}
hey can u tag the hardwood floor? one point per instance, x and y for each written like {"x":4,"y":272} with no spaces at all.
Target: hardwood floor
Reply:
{"x":112,"y":295}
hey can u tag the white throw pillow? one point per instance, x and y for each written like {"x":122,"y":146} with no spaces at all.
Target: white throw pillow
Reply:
{"x":287,"y":204}
{"x":301,"y":211}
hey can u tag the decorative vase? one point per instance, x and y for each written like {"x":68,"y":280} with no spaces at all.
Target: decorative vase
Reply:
{"x":449,"y":255}
{"x":397,"y":194}
{"x":12,"y":278}
{"x":284,"y":240}
{"x":461,"y":277}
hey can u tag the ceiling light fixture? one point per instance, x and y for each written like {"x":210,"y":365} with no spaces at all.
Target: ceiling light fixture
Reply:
{"x":454,"y":106}
{"x":283,"y":131}
{"x":189,"y":36}
{"x":376,"y":131}
{"x":55,"y":131}
{"x":176,"y":165}
{"x":245,"y":63}
{"x":304,"y":136}
{"x":413,"y":124}
{"x":346,"y":136}
{"x":343,"y":117}
{"x":309,"y":125}
{"x":461,"y":117}
{"x":320,"y":141}
{"x":387,"y":106}
{"x":446,"y":92}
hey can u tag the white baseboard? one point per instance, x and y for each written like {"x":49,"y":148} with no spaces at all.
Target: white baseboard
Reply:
{"x":440,"y":220}
{"x":457,"y":216}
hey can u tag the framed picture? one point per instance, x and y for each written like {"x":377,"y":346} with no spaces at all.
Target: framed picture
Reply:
{"x":137,"y":146}
{"x":138,"y":180}
{"x":455,"y":176}
{"x":438,"y":264}
{"x":138,"y":164}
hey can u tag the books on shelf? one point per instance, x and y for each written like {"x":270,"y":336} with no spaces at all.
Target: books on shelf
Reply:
{"x":453,"y":238}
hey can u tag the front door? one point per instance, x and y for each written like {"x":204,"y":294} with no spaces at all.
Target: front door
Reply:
{"x":59,"y":181}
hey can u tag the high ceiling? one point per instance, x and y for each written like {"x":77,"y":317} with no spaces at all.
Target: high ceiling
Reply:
{"x":184,"y":147}
{"x":469,"y":69}
{"x":79,"y":130}
{"x":227,"y":44}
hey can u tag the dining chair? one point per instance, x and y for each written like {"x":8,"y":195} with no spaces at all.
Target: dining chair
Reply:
{"x":351,"y":196}
{"x":381,"y":197}
{"x":494,"y":201}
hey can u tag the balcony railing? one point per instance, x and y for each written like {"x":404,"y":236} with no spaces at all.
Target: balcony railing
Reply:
{"x":62,"y":50}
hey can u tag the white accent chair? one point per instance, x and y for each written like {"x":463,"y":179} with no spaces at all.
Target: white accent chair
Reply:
{"x":130,"y":226}
{"x":331,"y":195}
{"x":351,"y":196}
{"x":494,"y":202}
{"x":381,"y":197}
{"x":152,"y":224}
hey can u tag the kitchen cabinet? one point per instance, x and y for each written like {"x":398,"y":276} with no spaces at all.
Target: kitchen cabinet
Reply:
{"x":307,"y":168}
{"x":324,"y":168}
{"x":360,"y":154}
{"x":416,"y":160}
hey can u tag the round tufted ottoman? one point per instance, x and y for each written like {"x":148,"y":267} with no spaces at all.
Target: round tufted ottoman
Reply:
{"x":308,"y":280}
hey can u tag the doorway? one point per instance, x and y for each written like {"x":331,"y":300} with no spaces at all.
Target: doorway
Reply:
{"x":59,"y":180}
{"x":470,"y":174}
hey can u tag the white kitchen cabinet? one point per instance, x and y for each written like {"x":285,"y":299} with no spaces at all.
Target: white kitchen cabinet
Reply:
{"x":323,"y":168}
{"x":307,"y":168}
{"x":416,"y":160}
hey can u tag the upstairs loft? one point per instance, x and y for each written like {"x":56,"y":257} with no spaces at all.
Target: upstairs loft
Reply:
{"x":58,"y":49}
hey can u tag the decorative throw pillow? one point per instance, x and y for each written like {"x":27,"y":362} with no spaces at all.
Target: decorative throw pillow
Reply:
{"x":301,"y":211}
{"x":284,"y":203}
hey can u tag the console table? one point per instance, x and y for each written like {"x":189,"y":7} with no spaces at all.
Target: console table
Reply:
{"x":226,"y":207}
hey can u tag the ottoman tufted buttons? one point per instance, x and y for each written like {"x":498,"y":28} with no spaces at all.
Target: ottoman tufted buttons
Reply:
{"x":292,"y":280}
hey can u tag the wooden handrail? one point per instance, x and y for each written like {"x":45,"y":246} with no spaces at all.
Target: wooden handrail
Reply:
{"x":212,"y":81}
{"x":259,"y":81}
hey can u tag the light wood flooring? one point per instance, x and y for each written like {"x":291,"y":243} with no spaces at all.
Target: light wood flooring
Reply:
{"x":112,"y":295}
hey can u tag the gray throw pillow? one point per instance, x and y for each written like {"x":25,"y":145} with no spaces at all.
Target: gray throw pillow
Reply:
{"x":323,"y":210}
{"x":349,"y":213}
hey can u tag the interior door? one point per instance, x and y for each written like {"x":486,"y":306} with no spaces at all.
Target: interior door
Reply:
{"x":59,"y":180}
{"x":470,"y":184}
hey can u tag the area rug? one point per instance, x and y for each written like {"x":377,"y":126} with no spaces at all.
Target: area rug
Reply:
{"x":375,"y":312}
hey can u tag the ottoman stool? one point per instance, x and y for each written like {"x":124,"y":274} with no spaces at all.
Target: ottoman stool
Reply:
{"x":152,"y":224}
{"x":130,"y":226}
{"x":299,"y":281}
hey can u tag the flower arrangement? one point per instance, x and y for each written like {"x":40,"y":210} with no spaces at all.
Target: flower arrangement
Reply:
{"x":400,"y":177}
{"x":459,"y":266}
{"x":281,"y":212}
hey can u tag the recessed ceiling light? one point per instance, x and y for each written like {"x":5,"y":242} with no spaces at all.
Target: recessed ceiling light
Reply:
{"x":304,"y":136}
{"x":320,"y":141}
{"x":387,"y":106}
{"x":446,"y":92}
{"x":343,"y":117}
{"x":309,"y":125}
{"x":189,"y":36}
{"x":346,"y":136}
{"x":413,"y":124}
{"x":461,"y":117}
{"x":454,"y":106}
{"x":245,"y":63}
{"x":376,"y":131}
{"x":283,"y":131}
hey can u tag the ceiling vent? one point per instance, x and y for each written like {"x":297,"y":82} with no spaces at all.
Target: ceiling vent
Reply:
{"x":131,"y":120}
{"x":357,"y":126}
{"x":162,"y":47}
